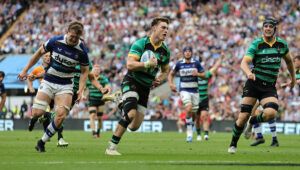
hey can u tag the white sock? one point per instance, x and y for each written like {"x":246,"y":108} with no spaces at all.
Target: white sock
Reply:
{"x":50,"y":131}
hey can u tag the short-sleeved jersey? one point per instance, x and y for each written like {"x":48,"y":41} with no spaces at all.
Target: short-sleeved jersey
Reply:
{"x":267,"y":58}
{"x":76,"y":78}
{"x":162,"y":54}
{"x":2,"y":88}
{"x":64,"y":58}
{"x":38,"y":71}
{"x":94,"y":93}
{"x":188,"y":82}
{"x":203,"y":89}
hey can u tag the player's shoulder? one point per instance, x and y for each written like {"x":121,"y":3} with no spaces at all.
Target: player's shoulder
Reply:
{"x":279,"y":39}
{"x":165,"y":46}
{"x":180,"y":61}
{"x":258,"y":40}
{"x":57,"y":38}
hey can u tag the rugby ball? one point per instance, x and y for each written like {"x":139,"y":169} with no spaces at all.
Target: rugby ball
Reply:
{"x":147,"y":55}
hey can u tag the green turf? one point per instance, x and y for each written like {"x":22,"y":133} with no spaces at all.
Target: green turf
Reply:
{"x":158,"y":151}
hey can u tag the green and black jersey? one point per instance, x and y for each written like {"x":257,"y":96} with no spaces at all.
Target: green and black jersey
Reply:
{"x":77,"y":77}
{"x":162,"y":53}
{"x":267,"y":58}
{"x":298,"y":74}
{"x":94,"y":93}
{"x":203,"y":89}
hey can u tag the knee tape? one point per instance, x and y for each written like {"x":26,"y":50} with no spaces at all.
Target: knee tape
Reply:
{"x":65,"y":107}
{"x":271,"y":105}
{"x":128,"y":104}
{"x":246,"y":108}
{"x":125,"y":121}
{"x":40,"y":104}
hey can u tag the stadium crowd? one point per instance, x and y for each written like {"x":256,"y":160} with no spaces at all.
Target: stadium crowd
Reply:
{"x":212,"y":27}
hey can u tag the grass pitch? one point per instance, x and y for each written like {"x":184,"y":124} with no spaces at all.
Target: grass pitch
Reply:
{"x":158,"y":151}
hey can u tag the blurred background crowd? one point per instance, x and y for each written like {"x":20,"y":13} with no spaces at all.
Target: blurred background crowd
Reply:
{"x":210,"y":27}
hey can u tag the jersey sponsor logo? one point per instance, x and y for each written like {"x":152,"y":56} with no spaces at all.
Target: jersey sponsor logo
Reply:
{"x":186,"y":71}
{"x":270,"y":59}
{"x":63,"y":60}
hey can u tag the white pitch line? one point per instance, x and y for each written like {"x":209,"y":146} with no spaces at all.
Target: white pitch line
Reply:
{"x":174,"y":162}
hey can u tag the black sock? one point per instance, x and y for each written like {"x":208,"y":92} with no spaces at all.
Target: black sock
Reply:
{"x":33,"y":120}
{"x":59,"y":133}
{"x":46,"y":123}
{"x":98,"y":131}
{"x":206,"y":132}
{"x":115,"y":139}
{"x":256,"y":119}
{"x":198,"y":131}
{"x":236,"y":133}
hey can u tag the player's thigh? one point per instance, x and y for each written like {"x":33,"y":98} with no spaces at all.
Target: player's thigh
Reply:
{"x":63,"y":96}
{"x":40,"y":104}
{"x":186,"y":98}
{"x":43,"y":98}
{"x":195,"y":102}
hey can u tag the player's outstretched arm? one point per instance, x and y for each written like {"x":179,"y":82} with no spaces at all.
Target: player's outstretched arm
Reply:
{"x":34,"y":59}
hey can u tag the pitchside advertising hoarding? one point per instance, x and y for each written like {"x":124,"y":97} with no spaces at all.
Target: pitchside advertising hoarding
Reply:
{"x":147,"y":126}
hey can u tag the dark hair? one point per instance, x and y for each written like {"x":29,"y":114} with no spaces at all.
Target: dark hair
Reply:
{"x":271,"y":20}
{"x":2,"y":74}
{"x":157,"y":20}
{"x":76,"y":26}
{"x":188,"y":48}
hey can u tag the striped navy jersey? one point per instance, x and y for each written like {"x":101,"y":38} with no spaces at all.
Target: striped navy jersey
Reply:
{"x":64,"y":58}
{"x":188,"y":82}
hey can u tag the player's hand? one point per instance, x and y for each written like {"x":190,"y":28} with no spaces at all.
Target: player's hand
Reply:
{"x":251,"y":76}
{"x":173,"y":87}
{"x":105,"y":90}
{"x":79,"y":96}
{"x":195,"y":73}
{"x":31,"y":77}
{"x":22,"y":76}
{"x":153,"y":62}
{"x":156,"y":82}
{"x":31,"y":90}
